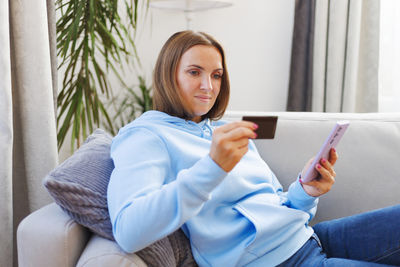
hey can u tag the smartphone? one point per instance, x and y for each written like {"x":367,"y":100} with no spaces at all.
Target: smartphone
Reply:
{"x":266,"y":125}
{"x":330,"y":142}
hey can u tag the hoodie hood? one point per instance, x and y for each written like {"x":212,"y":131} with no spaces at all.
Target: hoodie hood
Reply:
{"x":154,"y":118}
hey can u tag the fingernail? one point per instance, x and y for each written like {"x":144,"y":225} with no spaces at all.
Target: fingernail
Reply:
{"x":318,"y":166}
{"x":301,"y":181}
{"x":255,"y":126}
{"x":323,"y":160}
{"x":334,"y":150}
{"x":255,"y":135}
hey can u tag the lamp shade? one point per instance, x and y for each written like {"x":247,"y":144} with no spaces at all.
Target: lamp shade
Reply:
{"x":189,"y":5}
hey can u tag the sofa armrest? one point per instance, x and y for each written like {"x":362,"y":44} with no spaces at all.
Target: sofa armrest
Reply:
{"x":49,"y":237}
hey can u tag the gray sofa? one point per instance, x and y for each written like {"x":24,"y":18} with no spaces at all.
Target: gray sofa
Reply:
{"x":368,"y":177}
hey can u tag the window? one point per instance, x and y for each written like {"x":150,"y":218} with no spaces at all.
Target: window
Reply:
{"x":389,"y":57}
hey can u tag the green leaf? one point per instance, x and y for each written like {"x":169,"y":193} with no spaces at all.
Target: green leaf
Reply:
{"x":92,"y":39}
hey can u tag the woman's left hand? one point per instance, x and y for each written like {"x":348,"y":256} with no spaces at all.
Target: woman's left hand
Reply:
{"x":325,"y":180}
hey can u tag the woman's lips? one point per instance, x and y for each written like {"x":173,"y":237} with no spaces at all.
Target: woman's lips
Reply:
{"x":204,"y":98}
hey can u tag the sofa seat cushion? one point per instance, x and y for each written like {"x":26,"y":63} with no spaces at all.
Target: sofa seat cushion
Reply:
{"x":101,"y":252}
{"x":173,"y":250}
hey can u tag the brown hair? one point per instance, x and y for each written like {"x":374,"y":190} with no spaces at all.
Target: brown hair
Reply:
{"x":166,"y":96}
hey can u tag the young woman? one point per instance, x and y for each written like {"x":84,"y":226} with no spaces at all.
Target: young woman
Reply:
{"x":178,"y":167}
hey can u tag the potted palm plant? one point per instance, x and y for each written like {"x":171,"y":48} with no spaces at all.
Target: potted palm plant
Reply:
{"x":95,"y":39}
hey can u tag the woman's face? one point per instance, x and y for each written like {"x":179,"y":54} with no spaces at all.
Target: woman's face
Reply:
{"x":199,"y":76}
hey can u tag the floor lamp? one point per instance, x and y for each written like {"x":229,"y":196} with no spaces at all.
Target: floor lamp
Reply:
{"x":189,"y":7}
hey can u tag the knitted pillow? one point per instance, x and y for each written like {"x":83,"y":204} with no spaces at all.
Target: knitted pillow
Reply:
{"x":79,"y":187}
{"x":79,"y":184}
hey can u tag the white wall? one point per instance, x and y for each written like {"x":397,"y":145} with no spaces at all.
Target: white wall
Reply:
{"x":257,"y":37}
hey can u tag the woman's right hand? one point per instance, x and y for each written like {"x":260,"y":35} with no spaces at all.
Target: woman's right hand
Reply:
{"x":230,"y":143}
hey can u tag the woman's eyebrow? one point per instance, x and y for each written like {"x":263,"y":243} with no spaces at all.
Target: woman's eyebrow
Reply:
{"x":200,"y":67}
{"x":196,"y":66}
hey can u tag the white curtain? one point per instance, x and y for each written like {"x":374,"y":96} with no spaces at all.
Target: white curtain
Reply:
{"x":28,"y":146}
{"x":346,"y":56}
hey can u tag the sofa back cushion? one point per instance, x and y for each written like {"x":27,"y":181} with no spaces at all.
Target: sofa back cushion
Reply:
{"x":368,"y":172}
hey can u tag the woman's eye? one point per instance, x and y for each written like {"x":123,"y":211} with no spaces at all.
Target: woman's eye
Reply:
{"x":217,"y":76}
{"x":194,"y":72}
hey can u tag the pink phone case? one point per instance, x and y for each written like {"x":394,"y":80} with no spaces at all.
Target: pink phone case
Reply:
{"x":332,"y":140}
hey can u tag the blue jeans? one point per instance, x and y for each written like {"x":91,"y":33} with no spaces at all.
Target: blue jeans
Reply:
{"x":367,"y":239}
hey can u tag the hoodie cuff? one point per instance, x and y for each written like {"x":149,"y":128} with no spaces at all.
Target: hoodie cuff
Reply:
{"x":299,"y":198}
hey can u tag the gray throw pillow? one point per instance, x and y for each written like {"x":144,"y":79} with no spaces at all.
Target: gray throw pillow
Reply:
{"x":79,"y":184}
{"x":79,"y":187}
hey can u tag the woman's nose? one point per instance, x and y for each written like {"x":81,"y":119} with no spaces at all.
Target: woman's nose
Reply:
{"x":206,"y":83}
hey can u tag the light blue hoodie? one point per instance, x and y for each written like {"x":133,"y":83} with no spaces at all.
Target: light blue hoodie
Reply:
{"x":164,"y":179}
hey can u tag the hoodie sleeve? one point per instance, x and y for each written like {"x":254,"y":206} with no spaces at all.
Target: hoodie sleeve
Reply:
{"x":143,"y":207}
{"x":297,"y":198}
